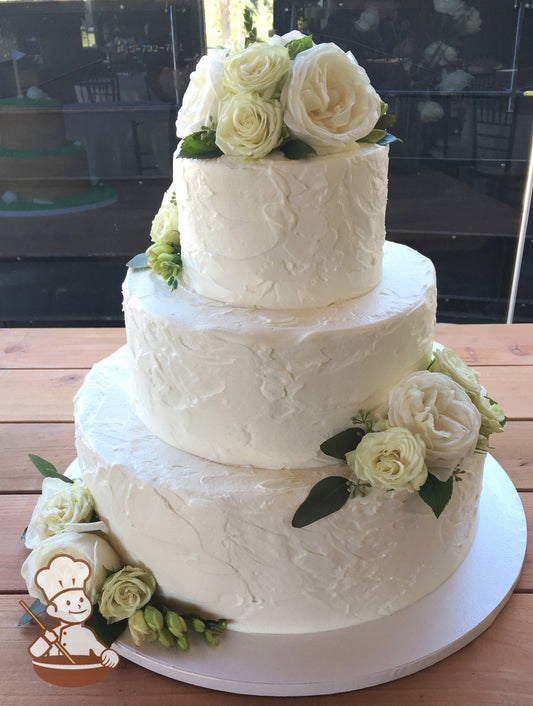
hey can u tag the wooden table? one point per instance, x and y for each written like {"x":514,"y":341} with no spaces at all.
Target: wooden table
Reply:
{"x":41,"y":369}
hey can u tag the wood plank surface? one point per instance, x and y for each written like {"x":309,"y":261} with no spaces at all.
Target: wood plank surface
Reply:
{"x":40,"y":395}
{"x":489,"y":344}
{"x":494,"y":670}
{"x":15,"y":514}
{"x":54,"y":442}
{"x":513,"y":449}
{"x":58,"y":348}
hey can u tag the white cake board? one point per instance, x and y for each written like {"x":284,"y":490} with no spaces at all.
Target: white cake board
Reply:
{"x":375,"y":652}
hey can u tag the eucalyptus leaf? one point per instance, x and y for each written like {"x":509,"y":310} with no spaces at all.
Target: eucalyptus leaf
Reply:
{"x":296,"y":46}
{"x":325,"y":498}
{"x":139,"y":262}
{"x":388,"y":139}
{"x":436,"y":493}
{"x":200,"y":145}
{"x":37,"y":607}
{"x":343,"y":442}
{"x":297,"y":149}
{"x":47,"y":469}
{"x":105,"y":632}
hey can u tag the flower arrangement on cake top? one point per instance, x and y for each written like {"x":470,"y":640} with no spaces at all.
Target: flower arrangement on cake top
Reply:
{"x":287,"y":93}
{"x":435,"y":418}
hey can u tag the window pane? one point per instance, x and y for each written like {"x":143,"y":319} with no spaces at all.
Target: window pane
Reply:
{"x":80,"y":186}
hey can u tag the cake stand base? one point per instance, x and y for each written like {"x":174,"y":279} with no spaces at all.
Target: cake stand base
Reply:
{"x":374,"y":652}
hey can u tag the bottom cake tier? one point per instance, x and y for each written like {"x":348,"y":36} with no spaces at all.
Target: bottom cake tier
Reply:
{"x":220,"y":537}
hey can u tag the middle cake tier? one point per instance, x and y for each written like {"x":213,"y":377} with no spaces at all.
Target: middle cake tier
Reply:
{"x":266,"y":388}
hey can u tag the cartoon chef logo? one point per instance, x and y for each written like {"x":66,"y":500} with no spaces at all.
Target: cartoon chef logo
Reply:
{"x":69,"y":654}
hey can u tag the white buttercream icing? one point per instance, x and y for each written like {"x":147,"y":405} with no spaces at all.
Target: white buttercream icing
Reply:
{"x":267,"y":387}
{"x":220,"y":537}
{"x":278,"y":233}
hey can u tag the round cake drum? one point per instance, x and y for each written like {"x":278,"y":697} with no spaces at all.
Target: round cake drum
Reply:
{"x":374,"y":652}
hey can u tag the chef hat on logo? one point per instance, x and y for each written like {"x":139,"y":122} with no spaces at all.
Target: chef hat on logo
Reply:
{"x":63,"y":573}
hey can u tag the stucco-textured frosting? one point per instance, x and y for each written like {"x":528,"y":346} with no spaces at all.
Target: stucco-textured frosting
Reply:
{"x":220,"y":537}
{"x":278,"y":233}
{"x":266,"y":387}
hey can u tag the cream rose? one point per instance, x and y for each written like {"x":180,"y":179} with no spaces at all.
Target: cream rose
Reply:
{"x":249,"y":126}
{"x":97,"y":552}
{"x":392,"y":460}
{"x":203,"y":95}
{"x":328,"y":101}
{"x":260,"y":68}
{"x":165,"y":226}
{"x":492,"y":416}
{"x":125,"y":592}
{"x":59,"y":504}
{"x":437,"y":408}
{"x":449,"y":363}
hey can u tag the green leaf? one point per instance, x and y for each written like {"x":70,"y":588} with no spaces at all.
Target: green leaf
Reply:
{"x":385,"y":122}
{"x":343,"y":442}
{"x":296,"y":149}
{"x":47,"y":469}
{"x":436,"y":493}
{"x":326,"y":497}
{"x":106,"y":633}
{"x":298,"y":45}
{"x":200,"y":145}
{"x":37,"y":607}
{"x":139,"y":262}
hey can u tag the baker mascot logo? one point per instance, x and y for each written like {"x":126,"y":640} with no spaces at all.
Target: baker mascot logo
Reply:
{"x":69,"y":654}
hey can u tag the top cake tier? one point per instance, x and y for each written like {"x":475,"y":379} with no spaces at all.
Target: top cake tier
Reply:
{"x":277,"y":233}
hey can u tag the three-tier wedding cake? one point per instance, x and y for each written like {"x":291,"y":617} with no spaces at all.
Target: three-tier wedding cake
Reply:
{"x":280,"y":441}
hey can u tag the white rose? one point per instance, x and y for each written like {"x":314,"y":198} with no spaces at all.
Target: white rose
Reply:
{"x":437,"y":408}
{"x":282,"y":41}
{"x":454,"y":81}
{"x":392,"y":460}
{"x":260,"y":68}
{"x":449,"y":363}
{"x":368,"y":19}
{"x":165,"y":226}
{"x":203,"y":95}
{"x":328,"y":101}
{"x":97,"y":552}
{"x":125,"y":592}
{"x":59,"y":504}
{"x":430,"y":111}
{"x":249,"y":126}
{"x":448,"y":7}
{"x":440,"y":53}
